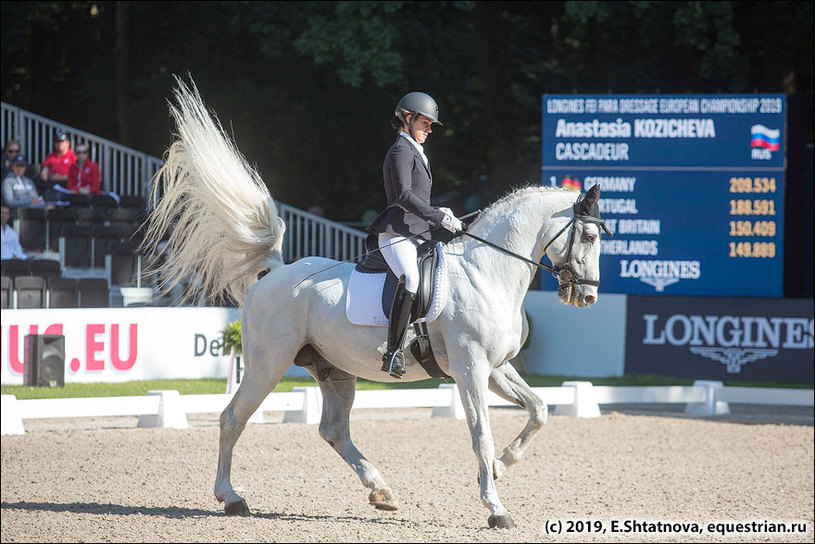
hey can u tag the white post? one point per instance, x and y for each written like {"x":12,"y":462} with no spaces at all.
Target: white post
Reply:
{"x":584,"y":405}
{"x":710,"y":406}
{"x":455,"y":409}
{"x":170,"y":413}
{"x":257,"y":417}
{"x":10,"y":420}
{"x":312,"y":406}
{"x":233,"y":379}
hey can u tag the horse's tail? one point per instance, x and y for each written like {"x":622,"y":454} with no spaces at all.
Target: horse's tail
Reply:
{"x":219,"y":221}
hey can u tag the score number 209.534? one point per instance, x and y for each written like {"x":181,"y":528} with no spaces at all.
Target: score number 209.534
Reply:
{"x":752,"y":185}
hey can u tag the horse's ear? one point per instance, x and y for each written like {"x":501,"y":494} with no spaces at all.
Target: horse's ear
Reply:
{"x":588,"y":206}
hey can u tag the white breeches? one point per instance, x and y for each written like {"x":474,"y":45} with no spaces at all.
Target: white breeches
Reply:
{"x":400,"y":254}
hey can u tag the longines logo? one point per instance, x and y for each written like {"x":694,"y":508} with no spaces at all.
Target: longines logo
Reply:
{"x":660,"y":274}
{"x":734,"y":358}
{"x":731,"y":340}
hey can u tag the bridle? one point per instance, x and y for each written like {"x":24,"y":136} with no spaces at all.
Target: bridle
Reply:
{"x":564,"y":273}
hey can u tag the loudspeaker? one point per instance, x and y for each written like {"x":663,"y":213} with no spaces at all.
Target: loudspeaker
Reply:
{"x":44,"y":360}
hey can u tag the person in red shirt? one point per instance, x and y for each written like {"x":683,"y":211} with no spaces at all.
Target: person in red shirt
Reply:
{"x":57,"y":163}
{"x":83,"y":176}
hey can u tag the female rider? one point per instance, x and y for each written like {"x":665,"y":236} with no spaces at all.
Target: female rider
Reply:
{"x":409,"y":217}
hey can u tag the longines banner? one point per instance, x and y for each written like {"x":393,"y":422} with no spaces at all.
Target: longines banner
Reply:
{"x":720,"y":338}
{"x":692,"y":188}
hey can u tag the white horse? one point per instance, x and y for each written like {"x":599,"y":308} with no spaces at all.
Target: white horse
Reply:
{"x":224,"y":230}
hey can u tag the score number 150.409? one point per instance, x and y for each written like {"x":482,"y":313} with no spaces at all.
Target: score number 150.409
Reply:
{"x":752,"y":228}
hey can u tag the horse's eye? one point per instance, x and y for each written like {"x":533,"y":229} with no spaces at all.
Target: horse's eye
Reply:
{"x":589,"y":238}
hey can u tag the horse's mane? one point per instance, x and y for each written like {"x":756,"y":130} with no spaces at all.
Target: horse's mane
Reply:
{"x":503,"y":205}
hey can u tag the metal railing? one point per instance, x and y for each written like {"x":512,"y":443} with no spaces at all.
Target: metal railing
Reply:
{"x":311,"y":235}
{"x":124,"y":171}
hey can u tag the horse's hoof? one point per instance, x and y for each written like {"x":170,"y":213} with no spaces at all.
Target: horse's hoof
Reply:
{"x":501,"y":522}
{"x":383,"y":499}
{"x":237,"y":508}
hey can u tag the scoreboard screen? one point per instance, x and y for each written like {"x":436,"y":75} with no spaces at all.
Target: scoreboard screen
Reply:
{"x":692,"y":187}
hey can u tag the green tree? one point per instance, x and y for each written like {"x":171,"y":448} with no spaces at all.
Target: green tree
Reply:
{"x":307,"y":88}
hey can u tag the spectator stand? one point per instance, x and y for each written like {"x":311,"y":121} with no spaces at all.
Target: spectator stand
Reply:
{"x":30,"y":225}
{"x":62,"y":293}
{"x":30,"y":292}
{"x":6,"y":292}
{"x":72,"y":243}
{"x":125,"y":171}
{"x":93,"y":292}
{"x":15,"y":267}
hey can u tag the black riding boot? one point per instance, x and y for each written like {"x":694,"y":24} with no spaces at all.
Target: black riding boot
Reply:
{"x":393,"y":362}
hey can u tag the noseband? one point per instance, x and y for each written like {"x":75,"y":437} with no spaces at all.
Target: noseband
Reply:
{"x":564,"y":273}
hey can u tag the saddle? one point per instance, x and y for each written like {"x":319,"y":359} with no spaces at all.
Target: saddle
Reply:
{"x":428,"y":260}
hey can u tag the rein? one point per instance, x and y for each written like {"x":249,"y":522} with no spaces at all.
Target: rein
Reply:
{"x":564,"y":273}
{"x":542,"y":266}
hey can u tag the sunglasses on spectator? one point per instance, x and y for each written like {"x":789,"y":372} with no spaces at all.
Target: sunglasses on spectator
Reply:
{"x":13,"y":150}
{"x":82,"y":151}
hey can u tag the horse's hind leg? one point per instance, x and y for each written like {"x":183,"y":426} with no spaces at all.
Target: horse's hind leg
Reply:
{"x":338,"y":397}
{"x":263,"y":372}
{"x":509,"y":385}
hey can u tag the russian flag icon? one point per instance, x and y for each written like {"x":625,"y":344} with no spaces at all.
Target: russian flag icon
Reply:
{"x":764,"y":137}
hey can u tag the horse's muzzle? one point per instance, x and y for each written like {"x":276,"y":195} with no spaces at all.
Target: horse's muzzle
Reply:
{"x":573,"y":295}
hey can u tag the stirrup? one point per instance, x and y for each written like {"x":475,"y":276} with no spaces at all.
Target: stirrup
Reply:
{"x":394,"y":363}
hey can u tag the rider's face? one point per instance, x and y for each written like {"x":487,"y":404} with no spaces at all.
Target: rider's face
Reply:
{"x":422,"y":127}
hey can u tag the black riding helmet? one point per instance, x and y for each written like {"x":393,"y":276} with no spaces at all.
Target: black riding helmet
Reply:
{"x":417,"y":103}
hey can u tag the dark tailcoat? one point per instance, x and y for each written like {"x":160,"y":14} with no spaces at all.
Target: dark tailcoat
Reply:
{"x":407,"y":186}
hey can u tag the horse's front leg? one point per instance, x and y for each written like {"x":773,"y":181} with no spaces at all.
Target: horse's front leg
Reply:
{"x":233,"y":420}
{"x":338,"y":397}
{"x":473,"y":389}
{"x":509,"y":385}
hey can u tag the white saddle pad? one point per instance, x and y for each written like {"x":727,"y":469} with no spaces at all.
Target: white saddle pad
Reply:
{"x":363,"y":305}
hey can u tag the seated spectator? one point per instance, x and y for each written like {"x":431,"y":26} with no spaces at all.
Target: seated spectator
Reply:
{"x":10,"y":247}
{"x":11,"y":150}
{"x":58,"y":162}
{"x":83,"y":176}
{"x":19,"y":190}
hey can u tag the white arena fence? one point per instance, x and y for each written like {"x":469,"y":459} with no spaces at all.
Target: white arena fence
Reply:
{"x":167,"y":408}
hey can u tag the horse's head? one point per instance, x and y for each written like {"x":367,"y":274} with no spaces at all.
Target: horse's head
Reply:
{"x":574,"y":250}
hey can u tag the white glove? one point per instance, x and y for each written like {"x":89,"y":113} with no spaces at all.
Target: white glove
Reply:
{"x":451,"y":222}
